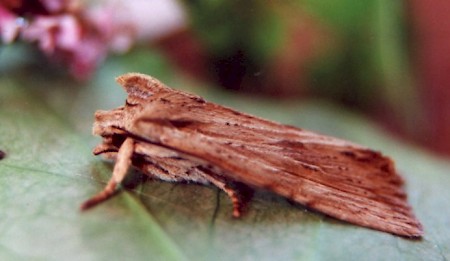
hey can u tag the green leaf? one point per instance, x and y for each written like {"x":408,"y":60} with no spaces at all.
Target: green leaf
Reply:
{"x":49,"y":170}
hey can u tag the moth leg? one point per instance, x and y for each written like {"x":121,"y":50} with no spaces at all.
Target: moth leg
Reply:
{"x":232,"y":192}
{"x":121,"y":167}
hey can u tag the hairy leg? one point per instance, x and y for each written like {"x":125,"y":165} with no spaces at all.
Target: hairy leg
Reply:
{"x":121,"y":167}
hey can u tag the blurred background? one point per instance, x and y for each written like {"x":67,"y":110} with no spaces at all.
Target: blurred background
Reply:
{"x":389,"y":60}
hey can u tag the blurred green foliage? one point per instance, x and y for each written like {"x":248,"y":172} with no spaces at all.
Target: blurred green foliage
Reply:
{"x":364,"y":64}
{"x":227,"y":26}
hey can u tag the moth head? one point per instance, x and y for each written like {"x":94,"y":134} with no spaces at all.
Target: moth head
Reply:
{"x":140,"y":87}
{"x":108,"y":122}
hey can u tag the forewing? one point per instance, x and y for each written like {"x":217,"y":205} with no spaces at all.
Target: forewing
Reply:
{"x":338,"y":178}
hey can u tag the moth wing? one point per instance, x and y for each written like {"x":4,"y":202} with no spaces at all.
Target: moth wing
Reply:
{"x":336,"y":177}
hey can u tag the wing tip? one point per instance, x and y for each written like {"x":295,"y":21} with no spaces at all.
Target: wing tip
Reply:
{"x":406,"y":225}
{"x":413,"y":232}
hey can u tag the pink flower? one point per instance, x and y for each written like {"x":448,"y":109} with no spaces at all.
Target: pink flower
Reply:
{"x":56,"y":6}
{"x":51,"y":32}
{"x":85,"y":58}
{"x":81,"y":36}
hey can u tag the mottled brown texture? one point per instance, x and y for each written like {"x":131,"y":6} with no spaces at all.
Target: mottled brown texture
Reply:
{"x":177,"y":136}
{"x":2,"y":154}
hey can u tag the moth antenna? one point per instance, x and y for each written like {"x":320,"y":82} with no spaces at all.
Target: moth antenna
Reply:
{"x":121,"y":167}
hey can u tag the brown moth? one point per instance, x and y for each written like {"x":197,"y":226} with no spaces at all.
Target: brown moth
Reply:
{"x":177,"y":136}
{"x":2,"y":154}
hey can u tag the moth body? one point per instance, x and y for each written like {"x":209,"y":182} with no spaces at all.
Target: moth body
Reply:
{"x":177,"y":136}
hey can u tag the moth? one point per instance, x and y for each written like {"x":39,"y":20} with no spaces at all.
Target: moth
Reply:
{"x":177,"y":136}
{"x":2,"y":154}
